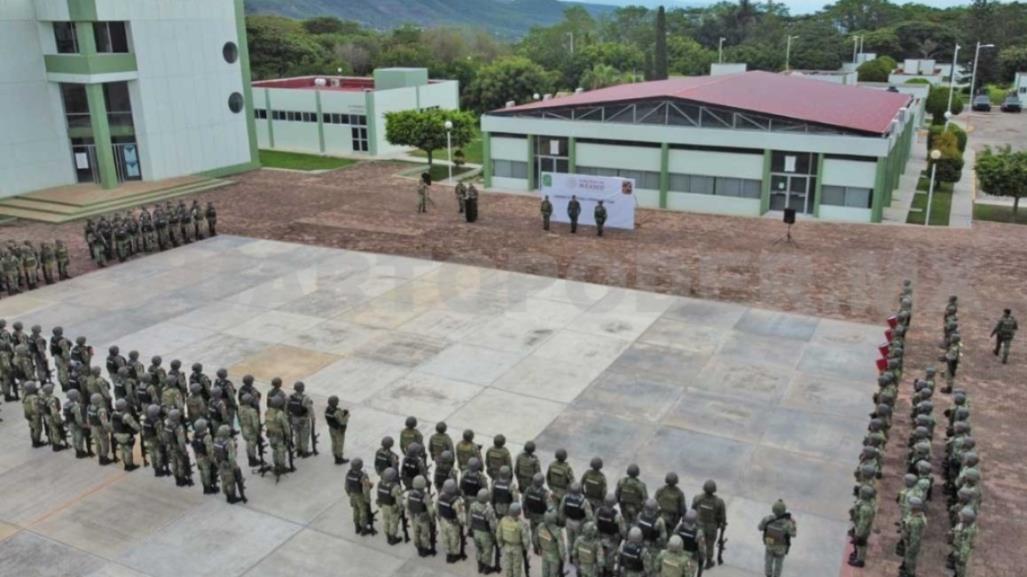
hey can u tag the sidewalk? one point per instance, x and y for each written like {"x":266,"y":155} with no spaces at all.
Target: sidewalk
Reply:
{"x":962,"y":213}
{"x":902,"y":198}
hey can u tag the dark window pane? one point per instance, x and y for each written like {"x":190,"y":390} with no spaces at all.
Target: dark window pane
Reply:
{"x":67,"y":40}
{"x":235,"y":102}
{"x":116,"y":95}
{"x":75,"y":101}
{"x":119,"y":37}
{"x":230,"y":52}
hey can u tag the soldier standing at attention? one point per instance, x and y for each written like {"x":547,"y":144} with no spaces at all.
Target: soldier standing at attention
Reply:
{"x":409,"y":435}
{"x":460,"y":190}
{"x":389,"y":495}
{"x":423,"y":192}
{"x":72,"y":410}
{"x":444,"y":469}
{"x":1004,"y":332}
{"x":338,"y":420}
{"x":249,"y":422}
{"x":503,"y":491}
{"x":672,"y":501}
{"x":301,"y":410}
{"x":547,"y":212}
{"x":358,"y":487}
{"x":449,"y":508}
{"x":52,"y":418}
{"x":535,"y":504}
{"x":466,"y":449}
{"x":600,"y":217}
{"x":514,"y":538}
{"x":497,"y":457}
{"x":125,"y":428}
{"x":385,"y":457}
{"x":573,"y":212}
{"x":611,"y":528}
{"x":952,"y":356}
{"x":631,"y":556}
{"x":574,"y":511}
{"x":212,"y":219}
{"x":483,"y":530}
{"x":224,"y":457}
{"x":277,"y":426}
{"x":526,"y":466}
{"x":48,"y":260}
{"x":151,"y":431}
{"x":413,"y":465}
{"x":593,"y":483}
{"x":712,"y":517}
{"x":631,"y":493}
{"x":654,"y":530}
{"x":473,"y":480}
{"x":32,"y":406}
{"x":778,"y":531}
{"x":862,"y":522}
{"x":559,"y":476}
{"x":914,"y":525}
{"x":674,"y":562}
{"x":421,"y":514}
{"x":693,"y":540}
{"x":99,"y":424}
{"x":440,"y":442}
{"x":587,"y":552}
{"x":63,"y":260}
{"x":203,"y":450}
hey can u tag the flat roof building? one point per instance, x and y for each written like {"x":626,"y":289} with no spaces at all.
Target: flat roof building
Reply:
{"x":339,"y":115}
{"x":742,"y":144}
{"x":103,"y":92}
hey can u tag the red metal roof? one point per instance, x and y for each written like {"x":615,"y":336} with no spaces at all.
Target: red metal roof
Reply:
{"x":345,"y":83}
{"x":795,"y":97}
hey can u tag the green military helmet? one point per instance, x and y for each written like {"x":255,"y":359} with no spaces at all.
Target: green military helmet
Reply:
{"x":529,"y":447}
{"x":153,"y":412}
{"x":575,"y":488}
{"x":538,"y":480}
{"x":133,"y":355}
{"x":420,"y":483}
{"x":962,"y":414}
{"x":176,"y":364}
{"x":222,"y":373}
{"x":94,"y":399}
{"x":651,"y":506}
{"x":216,"y":392}
{"x":121,"y":405}
{"x":590,"y":530}
{"x":446,"y":457}
{"x":197,"y":368}
{"x":970,"y":459}
{"x":224,"y":431}
{"x":965,"y":495}
{"x":113,"y":350}
{"x":916,"y":504}
{"x":671,"y":479}
{"x":925,"y":407}
{"x":440,"y":427}
{"x":195,"y":388}
{"x":389,"y":474}
{"x":610,"y":500}
{"x":709,"y":487}
{"x":921,"y":433}
{"x":247,"y":379}
{"x":298,"y":386}
{"x":499,"y":441}
{"x":779,"y":508}
{"x":31,"y":388}
{"x":561,"y":455}
{"x":514,"y":510}
{"x":277,"y":401}
{"x":868,"y":453}
{"x":923,"y":421}
{"x":18,"y":326}
{"x":276,"y":382}
{"x":909,"y":480}
{"x":867,"y":492}
{"x":967,"y":515}
{"x":357,"y":464}
{"x":551,"y":518}
{"x":883,"y":410}
{"x":247,"y":399}
{"x":411,"y":422}
{"x":200,"y":426}
{"x":473,"y":464}
{"x":505,"y":473}
{"x":123,"y":371}
{"x":73,"y":395}
{"x":57,"y":331}
{"x":48,"y":389}
{"x":635,"y":535}
{"x":596,"y":464}
{"x":959,"y":397}
{"x":96,"y":371}
{"x":468,"y":435}
{"x":387,"y":442}
{"x":923,"y":467}
{"x":961,"y":427}
{"x":675,"y":545}
{"x":414,"y":449}
{"x":172,"y":380}
{"x":333,"y":401}
{"x":483,"y":493}
{"x":691,"y":518}
{"x":633,"y":471}
{"x":972,"y":476}
{"x":955,"y":338}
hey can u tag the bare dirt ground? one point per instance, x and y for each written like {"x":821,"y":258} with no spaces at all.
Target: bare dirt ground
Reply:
{"x":851,"y":272}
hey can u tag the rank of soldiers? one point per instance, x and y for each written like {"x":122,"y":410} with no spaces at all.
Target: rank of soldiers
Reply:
{"x":23,"y":267}
{"x":128,"y":234}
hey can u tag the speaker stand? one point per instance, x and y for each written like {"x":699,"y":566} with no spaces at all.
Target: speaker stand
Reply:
{"x":787,"y":238}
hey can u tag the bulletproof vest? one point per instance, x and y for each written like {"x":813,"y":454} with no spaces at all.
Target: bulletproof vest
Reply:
{"x":648,"y":526}
{"x":574,"y":507}
{"x":143,"y":395}
{"x":501,"y":493}
{"x":93,"y":415}
{"x":167,"y":436}
{"x":670,"y":500}
{"x":593,"y":487}
{"x":672,"y":564}
{"x":631,"y":557}
{"x":446,"y":508}
{"x":478,"y":520}
{"x":385,"y":496}
{"x":382,"y":460}
{"x":440,"y":476}
{"x":53,"y":406}
{"x":689,"y":537}
{"x":221,"y":450}
{"x":296,"y":407}
{"x":510,"y":531}
{"x":471,"y":484}
{"x":246,"y":390}
{"x":118,"y":423}
{"x":55,"y":347}
{"x":707,"y":512}
{"x":69,"y":413}
{"x":776,"y":532}
{"x":606,"y":521}
{"x":415,"y":502}
{"x":494,"y":458}
{"x":411,"y":467}
{"x":333,"y":423}
{"x":354,"y":482}
{"x":631,"y":493}
{"x":525,"y":466}
{"x":149,"y":429}
{"x":557,"y":476}
{"x":586,"y":553}
{"x":112,"y":365}
{"x":535,"y":501}
{"x":199,"y":446}
{"x":214,"y":411}
{"x":437,"y":444}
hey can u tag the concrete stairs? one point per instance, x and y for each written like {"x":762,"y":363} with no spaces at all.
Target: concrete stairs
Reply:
{"x":60,"y":211}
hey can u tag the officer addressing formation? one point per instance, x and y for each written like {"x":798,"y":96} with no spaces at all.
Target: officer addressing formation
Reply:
{"x":507,"y":506}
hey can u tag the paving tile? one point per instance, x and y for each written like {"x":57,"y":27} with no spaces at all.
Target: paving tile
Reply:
{"x":554,"y":379}
{"x":334,"y":337}
{"x":747,"y":381}
{"x":161,"y":338}
{"x":354,"y":379}
{"x":315,"y":554}
{"x":586,"y":434}
{"x":513,"y":335}
{"x":404,"y":350}
{"x":695,"y":456}
{"x":717,"y":415}
{"x":6,"y":531}
{"x":808,"y":485}
{"x":446,"y":323}
{"x":219,"y":351}
{"x":218,"y":316}
{"x":289,"y":363}
{"x":424,"y":396}
{"x":778,"y":325}
{"x":706,"y":313}
{"x":523,"y":418}
{"x":825,"y":437}
{"x":669,"y":332}
{"x":26,"y":305}
{"x":630,"y":395}
{"x":661,"y":364}
{"x":819,"y":394}
{"x":477,"y":365}
{"x":759,"y":349}
{"x":854,"y":363}
{"x":32,"y":555}
{"x":579,"y":348}
{"x":273,"y":326}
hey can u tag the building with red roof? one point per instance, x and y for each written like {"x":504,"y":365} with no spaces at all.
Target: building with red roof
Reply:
{"x":745,"y":144}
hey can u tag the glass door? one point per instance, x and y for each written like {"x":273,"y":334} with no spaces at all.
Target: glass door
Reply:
{"x":83,"y":157}
{"x":126,"y":161}
{"x":793,"y":182}
{"x":551,"y":155}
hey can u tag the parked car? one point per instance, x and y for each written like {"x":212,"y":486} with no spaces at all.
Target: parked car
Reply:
{"x":1012,"y":103}
{"x":981,"y":103}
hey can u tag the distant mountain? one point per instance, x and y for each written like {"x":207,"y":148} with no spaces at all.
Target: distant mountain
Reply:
{"x":509,"y":18}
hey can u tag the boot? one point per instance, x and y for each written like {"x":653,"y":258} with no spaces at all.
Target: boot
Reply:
{"x":132,"y":467}
{"x":179,"y":481}
{"x":37,"y":444}
{"x":80,"y":454}
{"x":254,"y":462}
{"x":104,"y":461}
{"x":856,"y":563}
{"x":422,"y":552}
{"x":709,"y":564}
{"x":339,"y":461}
{"x":232,"y":499}
{"x":357,"y":528}
{"x":450,"y":559}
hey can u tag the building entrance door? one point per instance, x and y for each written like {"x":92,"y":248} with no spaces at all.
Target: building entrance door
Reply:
{"x":791,"y":192}
{"x":83,"y":158}
{"x":126,"y":161}
{"x":551,"y":155}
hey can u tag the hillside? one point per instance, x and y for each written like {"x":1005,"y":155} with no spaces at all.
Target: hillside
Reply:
{"x":509,"y":18}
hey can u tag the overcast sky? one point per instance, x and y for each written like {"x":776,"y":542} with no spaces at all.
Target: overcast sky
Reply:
{"x":796,"y":6}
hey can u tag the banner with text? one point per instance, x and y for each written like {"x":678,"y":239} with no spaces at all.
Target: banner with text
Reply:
{"x":617,"y":194}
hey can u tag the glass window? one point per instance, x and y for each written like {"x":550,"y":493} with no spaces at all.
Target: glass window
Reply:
{"x":116,"y":95}
{"x":729,"y":187}
{"x":680,"y":182}
{"x":702,"y":185}
{"x":833,"y":195}
{"x":510,"y":169}
{"x":231,"y":52}
{"x":111,"y":37}
{"x":67,"y":38}
{"x":235,"y":102}
{"x":797,"y":184}
{"x":751,"y":188}
{"x":75,"y":101}
{"x":852,"y":197}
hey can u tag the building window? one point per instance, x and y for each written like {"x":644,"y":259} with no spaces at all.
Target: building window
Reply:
{"x":643,"y":178}
{"x":119,"y":106}
{"x":235,"y":102}
{"x":111,"y":37}
{"x":359,"y":134}
{"x":848,"y":196}
{"x":76,"y":106}
{"x":716,"y":185}
{"x":510,"y":169}
{"x":260,"y":113}
{"x":230,"y":52}
{"x":67,"y":38}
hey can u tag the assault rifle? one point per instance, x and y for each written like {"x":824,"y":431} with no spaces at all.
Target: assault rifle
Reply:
{"x":406,"y":524}
{"x":240,"y":484}
{"x":721,"y":545}
{"x":313,"y":433}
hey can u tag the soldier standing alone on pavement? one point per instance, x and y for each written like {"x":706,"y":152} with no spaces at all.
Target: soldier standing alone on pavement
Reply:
{"x":338,"y":420}
{"x":600,"y":218}
{"x":573,"y":212}
{"x":547,"y":212}
{"x":1004,"y":332}
{"x":778,"y":531}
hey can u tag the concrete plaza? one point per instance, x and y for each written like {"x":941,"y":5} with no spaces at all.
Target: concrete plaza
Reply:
{"x":769,"y":404}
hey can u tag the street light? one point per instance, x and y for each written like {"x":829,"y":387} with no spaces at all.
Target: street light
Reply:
{"x":857,"y":40}
{"x":788,"y":52}
{"x":952,"y":87}
{"x":720,"y":50}
{"x":973,"y":76}
{"x":935,"y":156}
{"x":449,"y":146}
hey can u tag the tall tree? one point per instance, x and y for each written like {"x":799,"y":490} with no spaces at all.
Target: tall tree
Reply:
{"x":660,"y":57}
{"x":513,"y":78}
{"x":426,"y":129}
{"x":1003,"y":173}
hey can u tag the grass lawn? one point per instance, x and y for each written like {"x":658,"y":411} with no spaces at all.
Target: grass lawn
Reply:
{"x":296,"y":161}
{"x":472,"y":152}
{"x":1000,"y":213}
{"x":941,"y":205}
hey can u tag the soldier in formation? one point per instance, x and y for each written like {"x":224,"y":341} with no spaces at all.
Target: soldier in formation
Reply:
{"x":127,"y":234}
{"x":22,"y":265}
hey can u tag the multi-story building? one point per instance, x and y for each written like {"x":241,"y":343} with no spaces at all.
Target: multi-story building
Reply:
{"x":336,"y":115}
{"x":109,"y":91}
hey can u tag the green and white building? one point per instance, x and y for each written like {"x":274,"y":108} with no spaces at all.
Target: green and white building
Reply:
{"x":344,"y":116}
{"x":109,"y":91}
{"x":747,"y":143}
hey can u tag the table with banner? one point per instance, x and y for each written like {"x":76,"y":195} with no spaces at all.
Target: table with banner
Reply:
{"x":617,"y":194}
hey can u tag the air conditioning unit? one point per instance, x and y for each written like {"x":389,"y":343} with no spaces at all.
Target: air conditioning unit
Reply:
{"x":510,"y":104}
{"x":546,"y":96}
{"x":578,"y":90}
{"x":320,"y":82}
{"x":336,"y":82}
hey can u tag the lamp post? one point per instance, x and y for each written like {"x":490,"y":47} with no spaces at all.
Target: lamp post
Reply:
{"x":952,"y":87}
{"x":788,"y":52}
{"x":935,"y":156}
{"x":720,"y":50}
{"x":449,"y":146}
